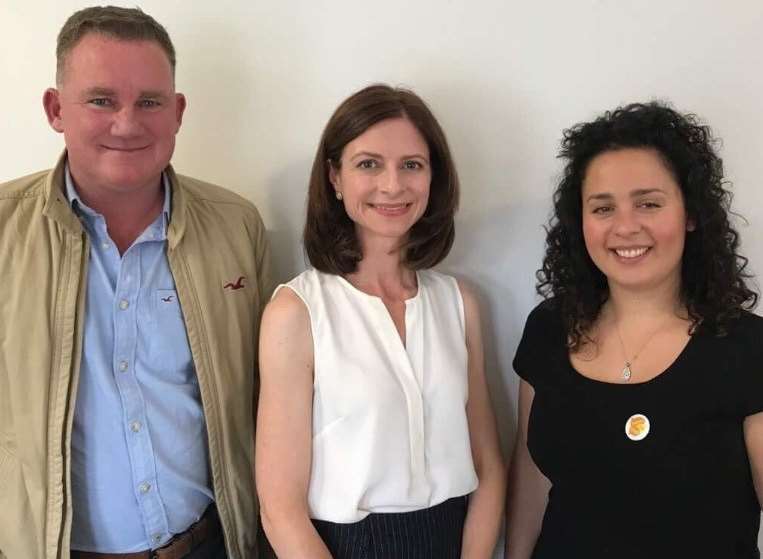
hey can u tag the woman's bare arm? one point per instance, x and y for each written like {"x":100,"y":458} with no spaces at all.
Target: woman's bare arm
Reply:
{"x":753,"y":436}
{"x":283,"y":446}
{"x":483,"y":518}
{"x":528,"y":489}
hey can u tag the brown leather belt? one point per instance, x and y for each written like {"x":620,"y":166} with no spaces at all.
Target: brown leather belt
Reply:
{"x":178,"y":547}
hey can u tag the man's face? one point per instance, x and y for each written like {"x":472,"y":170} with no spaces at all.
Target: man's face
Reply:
{"x":119,"y":114}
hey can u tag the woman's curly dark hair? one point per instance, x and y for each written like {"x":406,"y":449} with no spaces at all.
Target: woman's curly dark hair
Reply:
{"x":713,"y":285}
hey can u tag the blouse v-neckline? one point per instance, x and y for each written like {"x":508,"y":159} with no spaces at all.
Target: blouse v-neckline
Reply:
{"x":378,"y":303}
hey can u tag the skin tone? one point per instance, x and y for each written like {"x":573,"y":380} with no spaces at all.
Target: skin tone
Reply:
{"x":119,"y":113}
{"x":634,"y":226}
{"x":384,"y":182}
{"x":753,"y":437}
{"x":384,"y":177}
{"x":527,"y":488}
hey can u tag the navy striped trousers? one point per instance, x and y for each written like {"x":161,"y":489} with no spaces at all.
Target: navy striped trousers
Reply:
{"x":433,"y":533}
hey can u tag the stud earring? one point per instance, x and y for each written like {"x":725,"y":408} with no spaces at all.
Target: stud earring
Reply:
{"x":338,"y":195}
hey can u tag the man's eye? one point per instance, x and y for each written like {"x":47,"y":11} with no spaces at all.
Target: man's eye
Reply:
{"x":100,"y":102}
{"x":149,"y":103}
{"x":368,"y":164}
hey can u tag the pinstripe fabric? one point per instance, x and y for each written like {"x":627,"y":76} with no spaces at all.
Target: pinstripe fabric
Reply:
{"x":432,"y":533}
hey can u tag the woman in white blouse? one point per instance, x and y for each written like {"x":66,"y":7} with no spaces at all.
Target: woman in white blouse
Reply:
{"x":375,"y":433}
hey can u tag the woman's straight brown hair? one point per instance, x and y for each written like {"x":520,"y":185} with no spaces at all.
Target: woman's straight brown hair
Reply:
{"x":329,"y":236}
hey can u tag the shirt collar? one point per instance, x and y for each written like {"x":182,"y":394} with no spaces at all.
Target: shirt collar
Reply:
{"x":80,"y":207}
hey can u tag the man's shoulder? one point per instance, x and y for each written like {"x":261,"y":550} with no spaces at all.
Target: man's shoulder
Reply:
{"x":202,"y":191}
{"x":219,"y":204}
{"x":28,"y":186}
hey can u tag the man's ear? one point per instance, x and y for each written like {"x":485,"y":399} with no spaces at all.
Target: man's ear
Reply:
{"x":51,"y":102}
{"x":180,"y":106}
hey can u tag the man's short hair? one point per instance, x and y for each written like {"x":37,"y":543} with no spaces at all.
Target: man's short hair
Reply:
{"x":127,"y":24}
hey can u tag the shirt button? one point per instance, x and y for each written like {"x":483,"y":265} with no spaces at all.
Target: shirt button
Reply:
{"x":157,"y":537}
{"x":123,"y":304}
{"x":135,"y":426}
{"x":123,"y":366}
{"x":144,"y":487}
{"x":105,"y":245}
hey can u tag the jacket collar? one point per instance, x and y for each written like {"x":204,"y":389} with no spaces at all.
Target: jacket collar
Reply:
{"x":57,"y":207}
{"x":176,"y":228}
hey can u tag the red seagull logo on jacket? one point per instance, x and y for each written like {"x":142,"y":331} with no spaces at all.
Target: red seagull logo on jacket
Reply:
{"x":234,"y":286}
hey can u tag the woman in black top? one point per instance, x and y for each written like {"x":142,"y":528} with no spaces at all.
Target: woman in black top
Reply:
{"x":641,"y":399}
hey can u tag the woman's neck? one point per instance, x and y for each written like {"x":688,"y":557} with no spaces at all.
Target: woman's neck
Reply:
{"x":645,"y":306}
{"x":382,"y":273}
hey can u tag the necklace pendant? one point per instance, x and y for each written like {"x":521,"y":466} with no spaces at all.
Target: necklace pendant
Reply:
{"x":627,"y":372}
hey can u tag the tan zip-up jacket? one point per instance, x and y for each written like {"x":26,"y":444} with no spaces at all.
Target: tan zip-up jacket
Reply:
{"x":214,"y":238}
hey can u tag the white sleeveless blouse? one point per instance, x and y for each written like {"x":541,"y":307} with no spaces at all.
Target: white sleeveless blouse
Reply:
{"x":389,"y":420}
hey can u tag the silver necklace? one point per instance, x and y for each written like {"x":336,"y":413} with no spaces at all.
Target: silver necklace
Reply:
{"x":626,"y":373}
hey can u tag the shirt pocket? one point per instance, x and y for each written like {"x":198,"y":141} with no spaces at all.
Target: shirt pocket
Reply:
{"x":170,"y":353}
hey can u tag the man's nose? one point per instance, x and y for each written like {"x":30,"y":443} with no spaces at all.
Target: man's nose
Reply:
{"x":126,"y":123}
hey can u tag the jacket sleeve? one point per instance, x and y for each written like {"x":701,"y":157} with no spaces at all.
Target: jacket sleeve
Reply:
{"x":265,"y":284}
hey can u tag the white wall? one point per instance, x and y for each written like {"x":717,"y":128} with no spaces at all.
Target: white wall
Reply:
{"x":504,"y":77}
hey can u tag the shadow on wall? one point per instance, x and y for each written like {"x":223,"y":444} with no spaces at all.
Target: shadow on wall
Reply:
{"x":499,"y":232}
{"x":497,"y":254}
{"x":285,"y":204}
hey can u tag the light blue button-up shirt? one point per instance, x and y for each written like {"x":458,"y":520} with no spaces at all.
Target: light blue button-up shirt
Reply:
{"x":139,"y":445}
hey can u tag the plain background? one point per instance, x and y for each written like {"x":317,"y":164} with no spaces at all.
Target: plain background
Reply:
{"x":503,"y":77}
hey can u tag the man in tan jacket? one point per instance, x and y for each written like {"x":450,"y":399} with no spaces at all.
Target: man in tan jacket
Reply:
{"x":128,"y":324}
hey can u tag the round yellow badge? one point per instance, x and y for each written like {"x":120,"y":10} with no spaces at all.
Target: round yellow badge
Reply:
{"x":637,"y":427}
